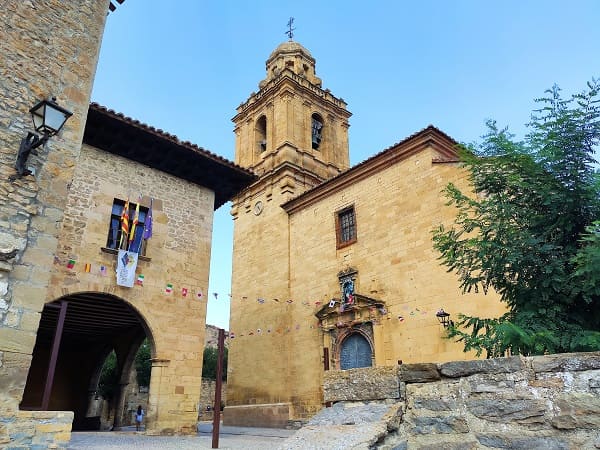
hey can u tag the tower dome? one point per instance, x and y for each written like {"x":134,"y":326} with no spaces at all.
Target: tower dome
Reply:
{"x":291,"y":55}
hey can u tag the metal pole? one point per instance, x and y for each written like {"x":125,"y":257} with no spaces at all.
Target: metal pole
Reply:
{"x":219,"y":383}
{"x":54,"y":355}
{"x":326,"y":367}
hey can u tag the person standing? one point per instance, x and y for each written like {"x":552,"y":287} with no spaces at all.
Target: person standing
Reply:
{"x":139,"y":417}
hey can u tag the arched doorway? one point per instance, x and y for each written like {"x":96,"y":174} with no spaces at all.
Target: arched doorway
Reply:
{"x":75,"y":334}
{"x":355,"y":352}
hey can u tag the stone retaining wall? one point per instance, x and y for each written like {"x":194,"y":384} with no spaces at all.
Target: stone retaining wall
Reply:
{"x":36,"y":429}
{"x":545,"y":402}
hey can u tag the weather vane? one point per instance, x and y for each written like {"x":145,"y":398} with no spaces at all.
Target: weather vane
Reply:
{"x":290,"y":31}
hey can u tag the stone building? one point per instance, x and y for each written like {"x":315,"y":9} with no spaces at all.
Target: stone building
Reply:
{"x":333,"y":266}
{"x":61,"y":310}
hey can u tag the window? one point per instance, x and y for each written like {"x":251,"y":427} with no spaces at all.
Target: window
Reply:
{"x":345,"y":224}
{"x":317,"y":131}
{"x":261,"y":134}
{"x":114,"y":230}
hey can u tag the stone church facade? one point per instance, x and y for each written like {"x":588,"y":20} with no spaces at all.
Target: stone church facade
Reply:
{"x":333,"y":266}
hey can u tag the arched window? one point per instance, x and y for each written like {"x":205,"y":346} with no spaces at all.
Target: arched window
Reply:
{"x":355,"y":352}
{"x":261,"y":134}
{"x":317,"y":131}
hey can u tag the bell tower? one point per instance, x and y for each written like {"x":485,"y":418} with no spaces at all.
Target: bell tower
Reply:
{"x":292,"y":121}
{"x":293,"y":134}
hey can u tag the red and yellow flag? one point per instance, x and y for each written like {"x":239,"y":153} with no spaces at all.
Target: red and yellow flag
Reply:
{"x":136,"y":219}
{"x":124,"y":225}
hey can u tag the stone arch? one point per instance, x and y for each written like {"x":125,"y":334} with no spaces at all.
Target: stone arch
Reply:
{"x":93,"y":324}
{"x":317,"y":128}
{"x":260,"y":130}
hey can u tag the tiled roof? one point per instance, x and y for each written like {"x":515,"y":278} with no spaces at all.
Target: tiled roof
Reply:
{"x":398,"y":150}
{"x":121,"y":135}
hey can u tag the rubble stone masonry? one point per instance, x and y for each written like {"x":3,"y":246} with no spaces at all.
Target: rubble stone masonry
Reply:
{"x":549,"y":402}
{"x":47,"y":48}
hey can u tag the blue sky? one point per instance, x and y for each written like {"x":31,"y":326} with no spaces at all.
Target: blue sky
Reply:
{"x":184,"y":66}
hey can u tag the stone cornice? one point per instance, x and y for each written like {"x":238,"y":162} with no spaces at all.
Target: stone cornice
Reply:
{"x":428,"y":137}
{"x":288,"y":76}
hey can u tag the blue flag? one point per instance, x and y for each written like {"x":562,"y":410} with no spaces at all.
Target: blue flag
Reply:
{"x":148,"y":223}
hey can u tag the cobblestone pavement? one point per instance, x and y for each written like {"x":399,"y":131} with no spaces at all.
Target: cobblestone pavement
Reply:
{"x":229,"y":438}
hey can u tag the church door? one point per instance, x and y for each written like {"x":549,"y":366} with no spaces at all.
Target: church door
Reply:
{"x":355,"y":352}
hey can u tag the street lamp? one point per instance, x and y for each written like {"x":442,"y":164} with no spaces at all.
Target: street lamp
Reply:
{"x":444,"y":318}
{"x":48,"y":119}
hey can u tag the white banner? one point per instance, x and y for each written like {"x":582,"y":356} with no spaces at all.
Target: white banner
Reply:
{"x":126,"y":265}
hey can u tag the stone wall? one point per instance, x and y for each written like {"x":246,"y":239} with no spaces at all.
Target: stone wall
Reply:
{"x":48,"y":48}
{"x":36,"y":429}
{"x":177,"y":253}
{"x":207,"y":398}
{"x":542,"y":402}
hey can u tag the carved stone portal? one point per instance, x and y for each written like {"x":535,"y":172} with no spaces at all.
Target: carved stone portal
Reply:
{"x":349,"y":314}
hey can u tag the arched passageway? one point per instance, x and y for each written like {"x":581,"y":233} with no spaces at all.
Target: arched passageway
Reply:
{"x":65,"y":366}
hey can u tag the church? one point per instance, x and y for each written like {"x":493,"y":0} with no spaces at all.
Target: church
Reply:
{"x":333,"y":266}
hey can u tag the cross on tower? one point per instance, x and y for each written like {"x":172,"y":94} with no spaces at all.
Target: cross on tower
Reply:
{"x":290,"y":31}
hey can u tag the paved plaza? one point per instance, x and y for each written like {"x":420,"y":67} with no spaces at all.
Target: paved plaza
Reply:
{"x":229,"y":438}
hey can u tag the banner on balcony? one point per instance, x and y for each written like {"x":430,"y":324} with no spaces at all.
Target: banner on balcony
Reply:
{"x":126,"y":265}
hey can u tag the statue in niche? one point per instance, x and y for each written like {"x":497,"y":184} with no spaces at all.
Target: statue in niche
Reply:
{"x":348,"y":292}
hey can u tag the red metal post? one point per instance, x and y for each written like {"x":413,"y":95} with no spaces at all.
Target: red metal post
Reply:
{"x":326,"y":367}
{"x":54,"y":355}
{"x":219,"y":383}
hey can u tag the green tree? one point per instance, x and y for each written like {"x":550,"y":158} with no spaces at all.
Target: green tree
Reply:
{"x":143,"y":366}
{"x":528,"y":231}
{"x":209,"y":363}
{"x":109,"y":377}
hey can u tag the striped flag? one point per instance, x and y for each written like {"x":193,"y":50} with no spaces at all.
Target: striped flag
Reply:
{"x":124,"y":225}
{"x":71,"y":264}
{"x":88,"y":267}
{"x":169,"y":288}
{"x":140,"y":280}
{"x":136,"y":219}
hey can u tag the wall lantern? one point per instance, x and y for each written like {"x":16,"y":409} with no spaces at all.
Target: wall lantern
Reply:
{"x":444,"y":318}
{"x":48,"y":119}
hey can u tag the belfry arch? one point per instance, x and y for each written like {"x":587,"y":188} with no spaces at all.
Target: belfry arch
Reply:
{"x":76,"y":333}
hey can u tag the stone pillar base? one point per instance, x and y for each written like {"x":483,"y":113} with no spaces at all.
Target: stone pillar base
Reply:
{"x":269,"y":415}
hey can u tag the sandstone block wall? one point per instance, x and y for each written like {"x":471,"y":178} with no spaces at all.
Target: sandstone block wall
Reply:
{"x":49,"y":48}
{"x":545,"y":402}
{"x":396,"y":209}
{"x":273,"y":415}
{"x":207,"y":398}
{"x":178,"y":253}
